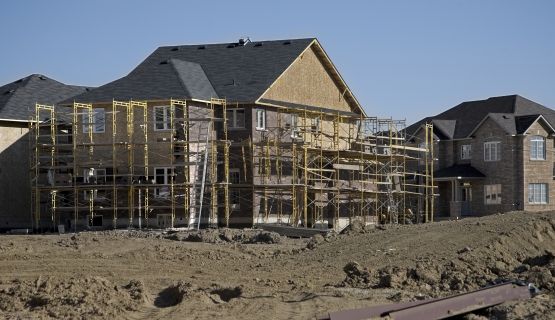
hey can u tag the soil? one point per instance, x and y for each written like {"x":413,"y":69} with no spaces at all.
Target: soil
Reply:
{"x":253,"y":274}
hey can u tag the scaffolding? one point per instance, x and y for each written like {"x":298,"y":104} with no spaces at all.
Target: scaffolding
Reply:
{"x":183,"y":163}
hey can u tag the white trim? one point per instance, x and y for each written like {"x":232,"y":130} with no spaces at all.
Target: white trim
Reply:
{"x":165,"y":118}
{"x":263,"y":118}
{"x":497,"y":145}
{"x":543,"y":194}
{"x":13,"y":120}
{"x":543,"y":140}
{"x":546,"y":122}
{"x":493,"y":190}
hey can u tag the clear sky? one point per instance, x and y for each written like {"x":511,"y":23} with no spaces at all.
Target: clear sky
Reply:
{"x":402,"y":59}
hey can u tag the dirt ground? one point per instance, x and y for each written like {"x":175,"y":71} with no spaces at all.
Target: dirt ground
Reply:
{"x":249,"y":274}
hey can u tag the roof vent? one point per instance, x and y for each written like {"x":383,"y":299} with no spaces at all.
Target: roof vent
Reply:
{"x":244,"y":41}
{"x":174,"y":49}
{"x":201,"y":47}
{"x":287,"y":42}
{"x":505,"y":117}
{"x":258,"y":44}
{"x":165,"y":62}
{"x":9,"y":91}
{"x":42,"y":77}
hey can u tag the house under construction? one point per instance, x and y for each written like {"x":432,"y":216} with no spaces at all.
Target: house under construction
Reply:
{"x":225,"y":134}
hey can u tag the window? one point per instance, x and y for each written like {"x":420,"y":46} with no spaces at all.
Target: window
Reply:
{"x":492,"y":194}
{"x":92,"y":175}
{"x":236,"y":118}
{"x":295,"y":126}
{"x":260,"y":119}
{"x":537,"y":193}
{"x":234,"y":175}
{"x":492,"y":151}
{"x":315,"y":124}
{"x":537,"y":148}
{"x":97,"y":119}
{"x":466,"y":150}
{"x":162,"y":176}
{"x":88,"y":193}
{"x":234,"y":199}
{"x":162,"y":118}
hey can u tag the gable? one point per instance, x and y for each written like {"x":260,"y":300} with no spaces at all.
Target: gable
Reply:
{"x":489,"y":128}
{"x":308,"y":82}
{"x":539,"y":127}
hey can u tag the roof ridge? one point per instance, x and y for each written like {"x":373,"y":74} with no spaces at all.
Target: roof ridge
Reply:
{"x":228,"y":42}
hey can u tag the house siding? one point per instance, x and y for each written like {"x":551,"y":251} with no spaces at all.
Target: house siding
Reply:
{"x":308,"y":82}
{"x":538,"y":171}
{"x":496,"y":172}
{"x":15,"y":196}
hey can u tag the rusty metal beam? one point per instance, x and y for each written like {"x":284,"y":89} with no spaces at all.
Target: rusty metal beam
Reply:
{"x":442,"y":308}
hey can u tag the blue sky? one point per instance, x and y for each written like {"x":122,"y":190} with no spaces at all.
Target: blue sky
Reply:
{"x":402,"y":59}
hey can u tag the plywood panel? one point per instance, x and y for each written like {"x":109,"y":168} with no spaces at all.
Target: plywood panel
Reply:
{"x":308,"y":82}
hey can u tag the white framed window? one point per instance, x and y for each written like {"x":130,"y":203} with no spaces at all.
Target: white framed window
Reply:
{"x":492,"y":151}
{"x":162,"y":118}
{"x":93,"y":175}
{"x":466,"y":151}
{"x":315,"y":124}
{"x":234,"y":175}
{"x":97,"y":119}
{"x":537,"y":193}
{"x":537,"y":148}
{"x":260,"y":119}
{"x":492,"y":194}
{"x":295,"y":126}
{"x":235,"y":118}
{"x":162,"y":176}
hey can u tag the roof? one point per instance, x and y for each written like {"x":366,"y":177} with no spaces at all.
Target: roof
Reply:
{"x":18,"y":99}
{"x":236,"y":72}
{"x":458,"y":171}
{"x":512,"y":113}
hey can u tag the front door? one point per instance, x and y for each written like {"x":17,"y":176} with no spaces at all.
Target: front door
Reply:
{"x":466,"y":199}
{"x":164,"y":220}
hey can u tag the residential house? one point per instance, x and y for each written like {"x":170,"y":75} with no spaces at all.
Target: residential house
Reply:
{"x":493,"y":155}
{"x":229,"y":134}
{"x":17,"y":109}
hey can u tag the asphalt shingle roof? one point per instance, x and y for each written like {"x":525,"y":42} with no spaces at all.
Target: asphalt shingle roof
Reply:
{"x":512,"y":113}
{"x":458,"y":170}
{"x":18,"y":98}
{"x":236,"y":72}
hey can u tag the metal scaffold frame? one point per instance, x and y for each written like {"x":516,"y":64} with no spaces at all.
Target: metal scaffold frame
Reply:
{"x":177,"y":161}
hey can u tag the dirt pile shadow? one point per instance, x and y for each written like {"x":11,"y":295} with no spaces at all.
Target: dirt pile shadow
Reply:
{"x":182,"y":292}
{"x":227,"y":236}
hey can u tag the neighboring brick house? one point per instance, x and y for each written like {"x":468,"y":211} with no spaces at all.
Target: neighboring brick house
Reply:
{"x":17,"y":107}
{"x":493,"y":155}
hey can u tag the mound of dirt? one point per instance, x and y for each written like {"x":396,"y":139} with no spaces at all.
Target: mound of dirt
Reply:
{"x":76,"y":298}
{"x":227,"y":236}
{"x":356,"y":276}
